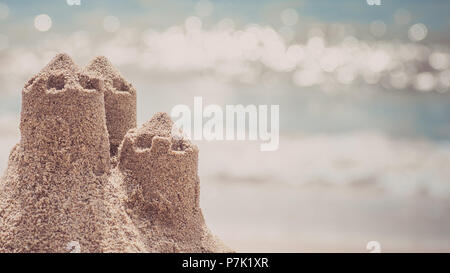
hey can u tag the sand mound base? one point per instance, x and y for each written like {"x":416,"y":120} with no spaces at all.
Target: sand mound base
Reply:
{"x":83,"y":175}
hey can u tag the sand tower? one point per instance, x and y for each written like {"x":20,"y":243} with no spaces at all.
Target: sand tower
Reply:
{"x":120,"y":101}
{"x":163,"y":188}
{"x":53,"y":191}
{"x":65,"y":108}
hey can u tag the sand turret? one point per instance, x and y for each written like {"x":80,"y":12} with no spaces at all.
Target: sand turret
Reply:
{"x":61,"y":62}
{"x":120,"y":101}
{"x":163,"y":188}
{"x":52,"y":193}
{"x":63,"y":110}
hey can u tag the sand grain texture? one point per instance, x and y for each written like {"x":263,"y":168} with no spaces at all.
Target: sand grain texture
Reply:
{"x":83,"y":173}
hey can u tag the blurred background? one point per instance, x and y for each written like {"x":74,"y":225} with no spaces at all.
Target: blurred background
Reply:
{"x":364,"y":95}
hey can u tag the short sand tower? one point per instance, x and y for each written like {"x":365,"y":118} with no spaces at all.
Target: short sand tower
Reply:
{"x":52,"y":193}
{"x":120,"y":101}
{"x":163,"y":188}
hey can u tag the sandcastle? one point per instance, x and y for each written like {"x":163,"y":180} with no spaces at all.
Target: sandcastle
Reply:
{"x":83,"y":173}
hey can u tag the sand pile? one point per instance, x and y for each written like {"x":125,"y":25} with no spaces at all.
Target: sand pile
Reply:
{"x":60,"y":186}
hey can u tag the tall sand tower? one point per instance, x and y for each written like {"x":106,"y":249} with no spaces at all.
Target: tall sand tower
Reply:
{"x":53,"y":191}
{"x":120,"y":101}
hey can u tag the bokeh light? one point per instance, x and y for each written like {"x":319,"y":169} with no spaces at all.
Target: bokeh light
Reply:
{"x":242,"y":53}
{"x":378,"y":60}
{"x":417,"y":32}
{"x":312,"y":54}
{"x":43,"y":22}
{"x":425,"y":81}
{"x":439,"y":60}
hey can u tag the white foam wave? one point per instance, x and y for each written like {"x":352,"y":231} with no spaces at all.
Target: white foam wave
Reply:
{"x":355,"y":160}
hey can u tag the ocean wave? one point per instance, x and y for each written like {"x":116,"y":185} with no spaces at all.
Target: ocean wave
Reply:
{"x":357,"y":160}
